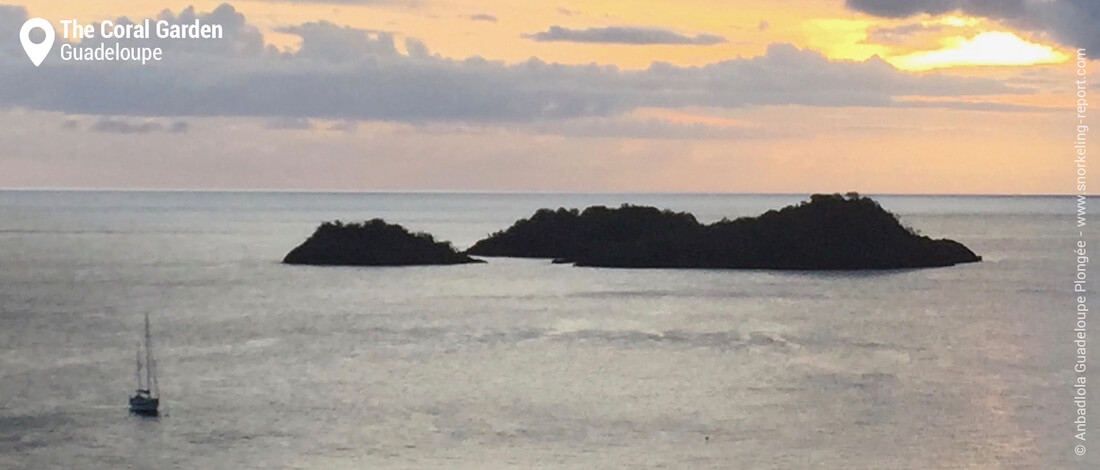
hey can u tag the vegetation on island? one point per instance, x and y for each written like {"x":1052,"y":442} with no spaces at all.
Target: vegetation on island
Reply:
{"x":373,"y":243}
{"x":828,"y":232}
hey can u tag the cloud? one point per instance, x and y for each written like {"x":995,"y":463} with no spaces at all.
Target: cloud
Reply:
{"x":1070,"y":22}
{"x":327,"y":41}
{"x":410,"y":3}
{"x":904,"y":8}
{"x":241,"y":40}
{"x":612,"y":127}
{"x":344,"y":126}
{"x":483,"y":17}
{"x":179,"y":127}
{"x":11,"y":20}
{"x":643,"y":128}
{"x":10,"y":16}
{"x":900,"y":33}
{"x":623,"y":35}
{"x":289,"y":123}
{"x":115,"y":125}
{"x":342,"y":73}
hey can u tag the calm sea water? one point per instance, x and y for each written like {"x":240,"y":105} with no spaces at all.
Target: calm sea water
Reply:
{"x":520,"y":363}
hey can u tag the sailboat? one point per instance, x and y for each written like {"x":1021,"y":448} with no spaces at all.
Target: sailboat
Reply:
{"x":147,"y":398}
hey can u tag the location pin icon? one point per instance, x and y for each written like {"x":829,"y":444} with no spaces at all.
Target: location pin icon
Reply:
{"x":37,"y":52}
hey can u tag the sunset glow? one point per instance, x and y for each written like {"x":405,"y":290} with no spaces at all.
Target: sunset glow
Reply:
{"x":712,"y":96}
{"x":988,"y":48}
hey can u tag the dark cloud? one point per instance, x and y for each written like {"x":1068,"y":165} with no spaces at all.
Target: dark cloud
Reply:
{"x":114,"y":125}
{"x":484,"y":17}
{"x":904,"y":8}
{"x":416,"y":49}
{"x":623,"y":35}
{"x":350,"y":74}
{"x":11,"y":20}
{"x":241,"y":40}
{"x":327,"y":41}
{"x":10,"y":16}
{"x":1070,"y":22}
{"x":900,"y":33}
{"x":122,"y":125}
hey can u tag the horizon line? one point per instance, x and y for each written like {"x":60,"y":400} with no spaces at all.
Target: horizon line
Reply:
{"x":510,"y":191}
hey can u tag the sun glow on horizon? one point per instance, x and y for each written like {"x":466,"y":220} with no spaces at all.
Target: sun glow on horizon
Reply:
{"x":956,"y":21}
{"x":987,"y":48}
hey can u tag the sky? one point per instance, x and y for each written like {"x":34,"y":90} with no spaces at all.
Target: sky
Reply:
{"x":791,"y":96}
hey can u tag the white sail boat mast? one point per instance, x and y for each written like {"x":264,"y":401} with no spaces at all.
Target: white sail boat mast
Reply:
{"x":150,"y":374}
{"x":146,"y":399}
{"x":139,"y":367}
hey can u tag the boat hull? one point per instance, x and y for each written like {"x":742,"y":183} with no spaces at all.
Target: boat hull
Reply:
{"x":145,"y":406}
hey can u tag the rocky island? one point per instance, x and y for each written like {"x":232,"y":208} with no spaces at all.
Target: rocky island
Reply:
{"x":373,"y":243}
{"x":828,"y":232}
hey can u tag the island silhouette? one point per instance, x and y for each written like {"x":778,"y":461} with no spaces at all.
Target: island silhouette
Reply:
{"x":828,"y":232}
{"x":373,"y":243}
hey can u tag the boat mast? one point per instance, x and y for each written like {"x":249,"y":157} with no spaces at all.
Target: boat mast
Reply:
{"x":138,"y":369}
{"x":150,"y":377}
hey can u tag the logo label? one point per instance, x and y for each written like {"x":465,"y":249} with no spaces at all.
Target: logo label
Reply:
{"x":37,"y":52}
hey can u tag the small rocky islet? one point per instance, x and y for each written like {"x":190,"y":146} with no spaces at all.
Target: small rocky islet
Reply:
{"x":373,"y":243}
{"x":828,"y":232}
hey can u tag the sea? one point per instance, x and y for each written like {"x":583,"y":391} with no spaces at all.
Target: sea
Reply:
{"x":520,"y":363}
